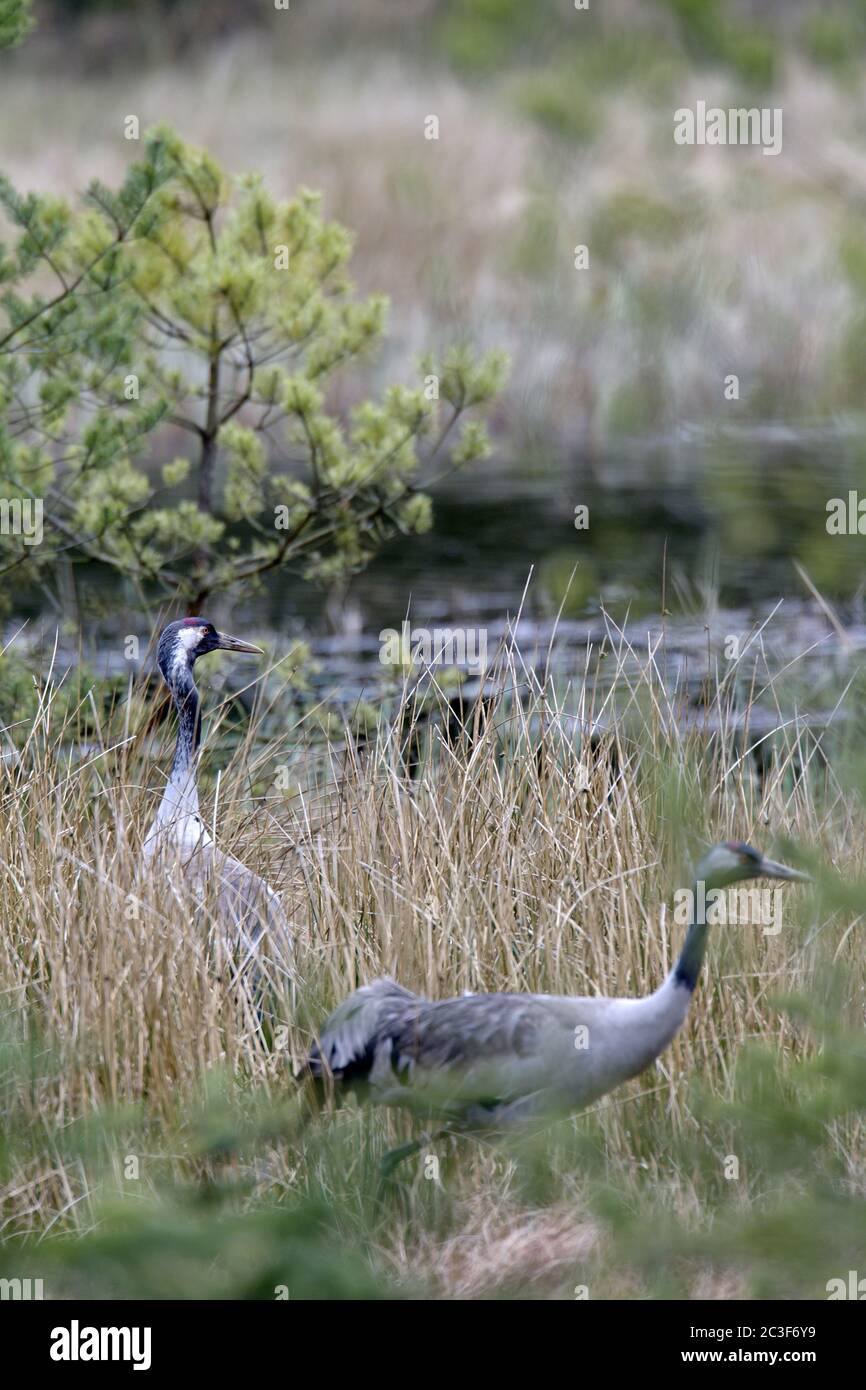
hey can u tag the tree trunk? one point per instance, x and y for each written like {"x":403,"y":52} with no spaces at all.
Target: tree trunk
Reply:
{"x":209,"y":439}
{"x":207,"y":463}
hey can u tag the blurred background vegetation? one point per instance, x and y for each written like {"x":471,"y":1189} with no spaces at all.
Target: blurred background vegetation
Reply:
{"x":555,"y":130}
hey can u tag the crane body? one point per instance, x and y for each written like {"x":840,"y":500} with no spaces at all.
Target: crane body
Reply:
{"x":178,"y":838}
{"x":489,"y":1061}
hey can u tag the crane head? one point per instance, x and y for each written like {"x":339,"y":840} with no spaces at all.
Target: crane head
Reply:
{"x":732,"y":861}
{"x":184,"y":641}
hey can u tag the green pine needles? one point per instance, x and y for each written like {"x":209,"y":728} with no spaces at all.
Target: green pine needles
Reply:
{"x":193,"y":300}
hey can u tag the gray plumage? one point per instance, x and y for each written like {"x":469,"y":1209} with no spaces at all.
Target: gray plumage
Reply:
{"x":494,"y":1060}
{"x":240,"y":900}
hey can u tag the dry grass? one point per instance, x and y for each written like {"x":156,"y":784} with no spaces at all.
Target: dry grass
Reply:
{"x":518,"y":860}
{"x":473,"y":235}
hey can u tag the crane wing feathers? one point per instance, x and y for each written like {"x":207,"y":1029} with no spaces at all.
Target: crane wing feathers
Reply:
{"x":239,"y":901}
{"x":246,"y":900}
{"x":349,"y":1040}
{"x":460,"y":1032}
{"x":480,"y":1048}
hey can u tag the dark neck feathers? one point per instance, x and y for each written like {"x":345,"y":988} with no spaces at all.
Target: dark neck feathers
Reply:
{"x":688,"y":967}
{"x":186,"y":699}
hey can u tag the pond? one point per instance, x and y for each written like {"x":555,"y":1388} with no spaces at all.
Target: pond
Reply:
{"x":687,"y":525}
{"x":682,"y":525}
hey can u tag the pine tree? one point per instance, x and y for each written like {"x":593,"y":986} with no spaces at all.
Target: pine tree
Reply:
{"x":192,"y":299}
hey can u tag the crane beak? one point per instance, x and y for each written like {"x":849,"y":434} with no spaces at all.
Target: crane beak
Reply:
{"x":770,"y":869}
{"x":234,"y":644}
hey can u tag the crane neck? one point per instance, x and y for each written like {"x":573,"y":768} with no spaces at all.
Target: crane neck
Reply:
{"x":188,"y":705}
{"x":688,"y":967}
{"x":180,"y":799}
{"x":655,"y":1019}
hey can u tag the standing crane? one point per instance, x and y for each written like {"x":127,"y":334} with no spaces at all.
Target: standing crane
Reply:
{"x":178,"y":836}
{"x":492,"y":1061}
